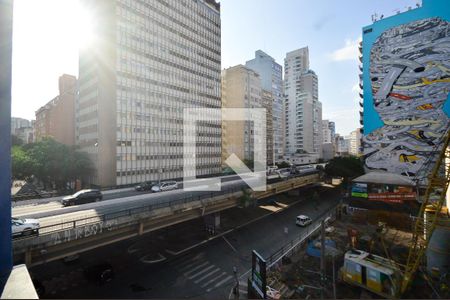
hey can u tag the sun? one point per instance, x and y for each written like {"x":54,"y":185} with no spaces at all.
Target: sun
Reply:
{"x":85,"y":27}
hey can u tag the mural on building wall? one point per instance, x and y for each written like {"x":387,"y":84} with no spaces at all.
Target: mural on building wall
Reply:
{"x":409,"y":71}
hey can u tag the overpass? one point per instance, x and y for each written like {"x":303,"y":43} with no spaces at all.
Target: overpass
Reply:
{"x":72,"y":230}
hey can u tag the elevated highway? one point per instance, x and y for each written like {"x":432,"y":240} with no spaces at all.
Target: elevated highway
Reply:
{"x":68,"y":231}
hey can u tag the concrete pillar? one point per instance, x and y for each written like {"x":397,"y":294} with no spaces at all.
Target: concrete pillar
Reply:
{"x":6,"y":23}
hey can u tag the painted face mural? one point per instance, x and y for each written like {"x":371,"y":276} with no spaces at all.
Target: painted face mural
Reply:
{"x":409,"y":70}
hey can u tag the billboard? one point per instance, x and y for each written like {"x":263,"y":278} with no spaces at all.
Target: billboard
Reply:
{"x":406,"y":82}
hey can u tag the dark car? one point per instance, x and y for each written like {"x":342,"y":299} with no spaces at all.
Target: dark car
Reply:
{"x":81,"y":197}
{"x":99,"y":274}
{"x":145,"y":186}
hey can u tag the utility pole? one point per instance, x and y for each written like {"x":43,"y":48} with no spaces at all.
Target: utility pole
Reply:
{"x":322,"y":258}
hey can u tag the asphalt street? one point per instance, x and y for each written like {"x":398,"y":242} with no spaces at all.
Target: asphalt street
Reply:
{"x":205,"y":272}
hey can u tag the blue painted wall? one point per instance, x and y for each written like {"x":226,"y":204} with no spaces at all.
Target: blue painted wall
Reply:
{"x":430,"y":8}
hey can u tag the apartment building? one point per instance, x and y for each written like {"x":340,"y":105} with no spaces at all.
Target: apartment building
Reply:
{"x":271,"y":74}
{"x":56,"y":119}
{"x":303,"y":109}
{"x":241,"y":88}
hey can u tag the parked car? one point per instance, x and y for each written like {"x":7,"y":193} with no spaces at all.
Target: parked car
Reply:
{"x":303,"y":220}
{"x":100,"y":273}
{"x":145,"y":186}
{"x":24,"y":227}
{"x":81,"y":197}
{"x":165,"y":186}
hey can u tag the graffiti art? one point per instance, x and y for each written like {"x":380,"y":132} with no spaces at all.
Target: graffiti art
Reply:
{"x":409,"y":72}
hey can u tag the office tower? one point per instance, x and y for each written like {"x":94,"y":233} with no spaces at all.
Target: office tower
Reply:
{"x":56,"y":119}
{"x":271,"y":74}
{"x":303,"y":109}
{"x":146,"y":63}
{"x":241,"y":88}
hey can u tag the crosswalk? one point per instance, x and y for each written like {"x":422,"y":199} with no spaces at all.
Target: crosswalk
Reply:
{"x":203,"y":273}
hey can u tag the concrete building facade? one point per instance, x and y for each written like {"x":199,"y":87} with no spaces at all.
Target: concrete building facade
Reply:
{"x":303,"y":110}
{"x":148,"y":61}
{"x":355,"y":142}
{"x":267,"y":101}
{"x":56,"y":119}
{"x":241,"y":88}
{"x":271,"y":74}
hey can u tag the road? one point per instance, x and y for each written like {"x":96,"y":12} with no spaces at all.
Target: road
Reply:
{"x":54,"y":213}
{"x":203,"y":272}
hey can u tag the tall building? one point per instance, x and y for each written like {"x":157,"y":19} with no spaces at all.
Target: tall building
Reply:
{"x":241,"y":88}
{"x":17,"y":123}
{"x":406,"y":89}
{"x":267,"y":103}
{"x":23,"y":129}
{"x":328,"y":139}
{"x":148,"y":61}
{"x":271,"y":74}
{"x":303,"y":108}
{"x":56,"y":119}
{"x":354,"y":142}
{"x":328,"y":131}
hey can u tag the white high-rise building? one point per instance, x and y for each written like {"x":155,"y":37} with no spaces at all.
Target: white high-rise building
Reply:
{"x":303,"y":109}
{"x":328,"y":131}
{"x":271,"y":74}
{"x":145,"y":63}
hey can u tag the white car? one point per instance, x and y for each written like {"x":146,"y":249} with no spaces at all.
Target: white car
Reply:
{"x":24,"y":227}
{"x":303,"y":220}
{"x":165,"y":186}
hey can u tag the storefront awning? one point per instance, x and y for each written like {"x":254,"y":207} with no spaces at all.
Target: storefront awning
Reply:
{"x":381,"y":177}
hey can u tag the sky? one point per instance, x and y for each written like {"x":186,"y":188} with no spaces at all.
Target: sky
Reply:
{"x":48,"y":33}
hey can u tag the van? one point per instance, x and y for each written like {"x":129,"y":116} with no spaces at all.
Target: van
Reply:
{"x":303,"y":220}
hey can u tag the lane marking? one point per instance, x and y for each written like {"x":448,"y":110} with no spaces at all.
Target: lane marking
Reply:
{"x":207,"y":275}
{"x":202,"y":271}
{"x":212,"y":280}
{"x":223,"y":281}
{"x":234,"y":249}
{"x":196,"y":268}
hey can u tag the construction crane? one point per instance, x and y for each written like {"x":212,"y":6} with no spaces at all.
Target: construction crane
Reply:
{"x":391,"y":279}
{"x":434,"y":199}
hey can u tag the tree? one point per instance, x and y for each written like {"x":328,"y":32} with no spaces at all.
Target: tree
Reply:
{"x":22,"y":165}
{"x":16,"y":141}
{"x":346,"y":167}
{"x":283,"y":164}
{"x":52,"y":163}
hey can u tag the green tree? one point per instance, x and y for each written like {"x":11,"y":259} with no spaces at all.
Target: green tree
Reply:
{"x":16,"y":141}
{"x":22,"y":164}
{"x":346,"y":167}
{"x":55,"y":163}
{"x":283,"y":164}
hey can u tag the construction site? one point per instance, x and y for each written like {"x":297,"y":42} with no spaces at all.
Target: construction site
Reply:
{"x":380,"y":243}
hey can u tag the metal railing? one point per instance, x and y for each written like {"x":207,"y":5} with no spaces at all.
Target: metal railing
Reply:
{"x":291,"y":247}
{"x":104,"y":218}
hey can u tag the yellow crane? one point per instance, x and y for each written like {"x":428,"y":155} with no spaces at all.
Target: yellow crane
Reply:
{"x":384,"y":276}
{"x":434,"y":199}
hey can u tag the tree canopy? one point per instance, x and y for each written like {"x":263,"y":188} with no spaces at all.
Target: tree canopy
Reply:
{"x":50,"y":162}
{"x":347,"y":167}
